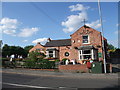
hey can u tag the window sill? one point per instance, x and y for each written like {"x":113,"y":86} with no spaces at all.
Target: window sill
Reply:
{"x":85,"y":43}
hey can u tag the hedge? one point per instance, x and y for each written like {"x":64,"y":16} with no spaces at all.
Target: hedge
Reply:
{"x":40,"y":64}
{"x":27,"y":63}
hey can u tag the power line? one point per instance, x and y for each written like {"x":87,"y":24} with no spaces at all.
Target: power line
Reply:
{"x":42,"y":11}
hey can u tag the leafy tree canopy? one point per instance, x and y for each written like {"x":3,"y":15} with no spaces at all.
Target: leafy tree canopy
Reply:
{"x":35,"y":55}
{"x":27,"y":48}
{"x":1,"y":43}
{"x":16,"y":50}
{"x":111,"y":48}
{"x":9,"y":50}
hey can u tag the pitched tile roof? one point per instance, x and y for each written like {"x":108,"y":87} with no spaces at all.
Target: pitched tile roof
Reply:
{"x":56,"y":43}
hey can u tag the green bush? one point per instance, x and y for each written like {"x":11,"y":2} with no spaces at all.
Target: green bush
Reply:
{"x":4,"y":62}
{"x":29,"y":64}
{"x":57,"y":60}
{"x":64,"y":59}
{"x":36,"y":56}
{"x":40,"y":64}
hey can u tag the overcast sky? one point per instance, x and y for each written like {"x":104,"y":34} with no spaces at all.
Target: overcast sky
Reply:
{"x":26,"y":23}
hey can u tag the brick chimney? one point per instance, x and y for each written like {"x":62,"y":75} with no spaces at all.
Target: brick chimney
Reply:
{"x":38,"y":43}
{"x":48,"y":40}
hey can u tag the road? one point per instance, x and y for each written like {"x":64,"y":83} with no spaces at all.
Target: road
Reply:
{"x":13,"y":80}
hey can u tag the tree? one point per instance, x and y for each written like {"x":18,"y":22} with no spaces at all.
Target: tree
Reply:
{"x":1,"y":43}
{"x":114,"y":53}
{"x":1,"y":48}
{"x":111,"y":48}
{"x":5,"y":50}
{"x":9,"y":50}
{"x":27,"y":48}
{"x":35,"y":55}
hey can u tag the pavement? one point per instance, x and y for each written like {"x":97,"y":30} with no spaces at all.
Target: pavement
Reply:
{"x":49,"y":80}
{"x":60,"y":74}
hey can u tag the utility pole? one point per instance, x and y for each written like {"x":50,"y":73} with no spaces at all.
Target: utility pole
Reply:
{"x":103,"y":45}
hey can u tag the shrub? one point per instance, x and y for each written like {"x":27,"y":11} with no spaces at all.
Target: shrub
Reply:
{"x":36,"y":55}
{"x":64,"y":59}
{"x":57,"y":60}
{"x":40,"y":64}
{"x":29,"y":64}
{"x":5,"y":62}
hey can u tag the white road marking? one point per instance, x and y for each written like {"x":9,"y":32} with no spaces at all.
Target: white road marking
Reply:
{"x":29,"y":86}
{"x":68,"y":88}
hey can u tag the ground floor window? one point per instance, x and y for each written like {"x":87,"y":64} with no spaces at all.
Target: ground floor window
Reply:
{"x":87,"y":54}
{"x":50,"y":54}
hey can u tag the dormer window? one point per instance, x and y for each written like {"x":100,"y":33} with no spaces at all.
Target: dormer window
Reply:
{"x":85,"y":39}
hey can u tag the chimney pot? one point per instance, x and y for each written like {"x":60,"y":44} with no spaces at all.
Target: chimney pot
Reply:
{"x":48,"y":39}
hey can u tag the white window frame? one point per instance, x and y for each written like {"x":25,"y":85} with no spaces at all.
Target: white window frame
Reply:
{"x":68,"y":54}
{"x":88,"y":39}
{"x":81,"y":54}
{"x":48,"y":54}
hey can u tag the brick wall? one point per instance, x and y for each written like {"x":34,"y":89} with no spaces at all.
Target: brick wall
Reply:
{"x":94,"y":37}
{"x":73,"y":68}
{"x":38,"y":46}
{"x":95,"y":40}
{"x":62,"y":51}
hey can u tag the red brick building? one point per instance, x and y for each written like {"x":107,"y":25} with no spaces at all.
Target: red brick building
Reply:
{"x":84,"y":44}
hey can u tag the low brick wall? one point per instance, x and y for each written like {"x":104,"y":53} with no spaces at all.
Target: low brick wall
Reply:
{"x":73,"y":68}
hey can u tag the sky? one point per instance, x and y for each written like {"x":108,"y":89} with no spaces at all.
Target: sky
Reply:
{"x":26,"y":23}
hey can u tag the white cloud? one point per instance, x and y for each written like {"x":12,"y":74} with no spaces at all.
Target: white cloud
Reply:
{"x":78,"y":7}
{"x":8,"y":21}
{"x":41,"y":40}
{"x":25,"y":41}
{"x":74,"y":22}
{"x":27,"y":32}
{"x":8,"y":26}
{"x":11,"y":32}
{"x":95,"y":24}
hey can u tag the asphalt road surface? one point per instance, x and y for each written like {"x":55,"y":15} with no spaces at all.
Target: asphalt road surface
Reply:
{"x":10,"y":80}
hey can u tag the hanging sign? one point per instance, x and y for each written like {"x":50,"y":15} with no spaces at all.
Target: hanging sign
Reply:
{"x":85,"y":32}
{"x":99,"y":55}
